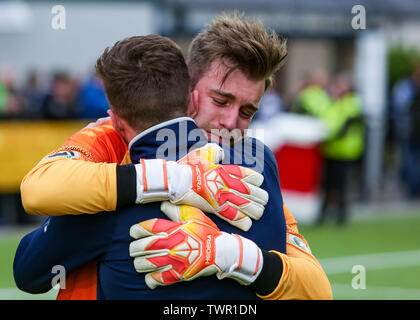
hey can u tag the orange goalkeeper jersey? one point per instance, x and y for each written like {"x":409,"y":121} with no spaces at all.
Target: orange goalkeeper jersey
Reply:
{"x":84,"y":186}
{"x":100,"y":149}
{"x":86,"y":166}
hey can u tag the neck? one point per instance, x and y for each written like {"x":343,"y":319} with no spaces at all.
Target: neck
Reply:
{"x":129,"y":135}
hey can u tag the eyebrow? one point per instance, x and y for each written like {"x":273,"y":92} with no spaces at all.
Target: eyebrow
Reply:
{"x":224,"y":94}
{"x":232,"y":97}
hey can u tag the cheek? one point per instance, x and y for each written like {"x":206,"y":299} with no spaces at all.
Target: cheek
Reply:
{"x":208,"y":112}
{"x":204,"y":118}
{"x":243,"y":123}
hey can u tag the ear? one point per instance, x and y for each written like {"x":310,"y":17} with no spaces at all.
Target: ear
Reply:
{"x":116,"y":121}
{"x":193,"y":107}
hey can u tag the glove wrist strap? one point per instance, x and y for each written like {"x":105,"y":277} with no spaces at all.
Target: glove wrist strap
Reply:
{"x":161,"y":180}
{"x":152,"y":181}
{"x":248,"y":260}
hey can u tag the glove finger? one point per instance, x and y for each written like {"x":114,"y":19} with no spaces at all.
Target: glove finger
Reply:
{"x":245,"y":174}
{"x":101,"y":121}
{"x":146,"y":264}
{"x":226,"y":176}
{"x":183,"y":213}
{"x":98,"y":122}
{"x":256,"y":194}
{"x":252,"y":177}
{"x":145,"y":246}
{"x":234,"y":197}
{"x":167,"y":276}
{"x":211,"y":152}
{"x":172,"y":211}
{"x":234,"y":210}
{"x":161,"y":278}
{"x":244,"y":224}
{"x":142,"y":229}
{"x":235,"y":217}
{"x":253,"y":210}
{"x":151,"y":227}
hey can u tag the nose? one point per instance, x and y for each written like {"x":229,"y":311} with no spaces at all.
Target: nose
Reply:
{"x":229,"y":118}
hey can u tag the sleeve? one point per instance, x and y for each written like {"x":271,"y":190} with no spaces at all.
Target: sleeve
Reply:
{"x":302,"y":277}
{"x":60,"y":186}
{"x":82,"y":176}
{"x":55,"y":244}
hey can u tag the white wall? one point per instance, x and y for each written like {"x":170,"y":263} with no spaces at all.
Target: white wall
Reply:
{"x":405,"y":33}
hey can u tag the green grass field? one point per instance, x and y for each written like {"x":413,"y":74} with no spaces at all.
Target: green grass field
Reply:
{"x":388,"y":248}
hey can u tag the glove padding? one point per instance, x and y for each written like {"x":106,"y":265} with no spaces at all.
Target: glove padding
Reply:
{"x":170,"y":252}
{"x":231,"y":192}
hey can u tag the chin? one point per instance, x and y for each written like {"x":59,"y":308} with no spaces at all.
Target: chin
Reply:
{"x":220,"y":140}
{"x":213,"y":138}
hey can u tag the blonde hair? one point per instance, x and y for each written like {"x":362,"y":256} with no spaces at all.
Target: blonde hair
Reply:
{"x":244,"y":43}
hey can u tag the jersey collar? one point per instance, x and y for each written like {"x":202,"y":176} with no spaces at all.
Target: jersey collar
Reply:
{"x":170,"y":140}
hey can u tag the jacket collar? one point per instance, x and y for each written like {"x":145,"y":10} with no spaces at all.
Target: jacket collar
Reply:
{"x":170,"y":140}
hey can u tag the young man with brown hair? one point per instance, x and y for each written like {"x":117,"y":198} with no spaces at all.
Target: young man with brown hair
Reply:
{"x":231,"y":65}
{"x":226,"y":93}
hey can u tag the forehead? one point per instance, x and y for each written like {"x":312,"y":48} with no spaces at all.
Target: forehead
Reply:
{"x":237,"y":84}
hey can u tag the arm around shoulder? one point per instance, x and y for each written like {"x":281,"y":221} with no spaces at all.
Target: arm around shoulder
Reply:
{"x":79,"y":177}
{"x":59,"y":186}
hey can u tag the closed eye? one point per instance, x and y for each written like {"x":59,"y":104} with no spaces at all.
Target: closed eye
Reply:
{"x":219,"y":102}
{"x":247,"y":114}
{"x":248,"y":111}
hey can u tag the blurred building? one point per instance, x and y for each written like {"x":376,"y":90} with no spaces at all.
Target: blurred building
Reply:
{"x":320,"y":35}
{"x":320,"y":31}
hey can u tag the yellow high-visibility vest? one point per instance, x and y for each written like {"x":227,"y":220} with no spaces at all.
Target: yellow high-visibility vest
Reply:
{"x":344,"y":142}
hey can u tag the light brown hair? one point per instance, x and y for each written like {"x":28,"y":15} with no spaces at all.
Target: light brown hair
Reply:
{"x":241,"y":42}
{"x":146,"y":80}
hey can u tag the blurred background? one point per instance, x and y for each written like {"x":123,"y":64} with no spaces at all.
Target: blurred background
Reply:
{"x":342,"y":118}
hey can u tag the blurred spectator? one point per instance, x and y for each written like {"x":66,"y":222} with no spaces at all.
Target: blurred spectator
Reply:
{"x":413,"y":177}
{"x":3,"y":98}
{"x":313,"y":99}
{"x":33,"y":95}
{"x":62,"y":99}
{"x":14,"y":102}
{"x":405,"y":101}
{"x":343,"y":147}
{"x":61,"y":102}
{"x":93,"y":100}
{"x":271,"y":104}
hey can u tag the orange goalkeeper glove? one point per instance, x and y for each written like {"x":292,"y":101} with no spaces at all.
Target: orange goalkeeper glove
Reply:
{"x":170,"y":252}
{"x":231,"y":192}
